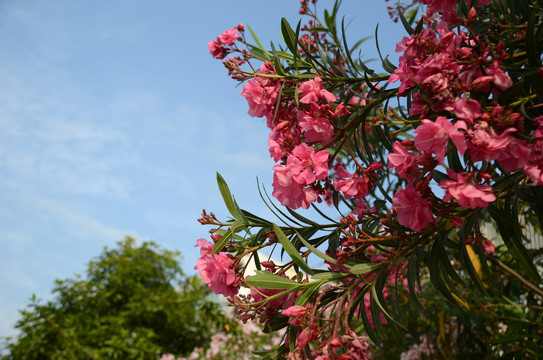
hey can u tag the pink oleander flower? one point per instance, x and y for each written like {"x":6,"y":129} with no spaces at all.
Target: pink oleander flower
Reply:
{"x":216,"y":49}
{"x":229,"y":37}
{"x":433,"y":136}
{"x":307,"y":335}
{"x":466,"y":192}
{"x":447,"y":9}
{"x":296,"y":312}
{"x":488,"y":247}
{"x":467,"y":109}
{"x":289,"y":192}
{"x":261,"y":94}
{"x":534,"y":173}
{"x":484,"y":144}
{"x":499,"y":77}
{"x":351,"y":185}
{"x":216,"y":270}
{"x":402,"y":161}
{"x":283,"y":140}
{"x":306,"y":165}
{"x":414,"y":211}
{"x":515,"y":156}
{"x":317,"y":129}
{"x":361,"y":208}
{"x":314,"y":91}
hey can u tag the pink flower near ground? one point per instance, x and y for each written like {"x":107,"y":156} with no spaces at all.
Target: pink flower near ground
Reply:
{"x":433,"y":137}
{"x":216,"y":270}
{"x":314,"y":91}
{"x":414,"y":211}
{"x":466,"y":192}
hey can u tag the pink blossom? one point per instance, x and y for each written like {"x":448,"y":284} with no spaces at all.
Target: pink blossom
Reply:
{"x":292,"y":182}
{"x":433,"y":137}
{"x":466,"y":192}
{"x":351,"y":185}
{"x":289,"y":192}
{"x":307,"y":335}
{"x":261,"y":94}
{"x":229,"y":37}
{"x":488,"y":247}
{"x":296,"y":312}
{"x":484,"y":144}
{"x":414,"y":211}
{"x":499,"y":77}
{"x":216,"y":49}
{"x":402,"y":161}
{"x":306,"y":165}
{"x":515,"y":155}
{"x":314,"y":91}
{"x":216,"y":270}
{"x":316,"y":128}
{"x":361,"y":209}
{"x":283,"y":139}
{"x":467,"y":109}
{"x":534,"y":173}
{"x":445,"y":7}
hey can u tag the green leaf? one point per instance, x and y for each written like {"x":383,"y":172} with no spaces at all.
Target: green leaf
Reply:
{"x":291,"y":250}
{"x":289,"y":37}
{"x":273,"y":354}
{"x":412,"y":275}
{"x":317,"y":252}
{"x":267,"y":280}
{"x":381,"y":306}
{"x":227,"y":197}
{"x":406,"y":25}
{"x":256,"y":38}
{"x":329,"y":275}
{"x":511,"y":234}
{"x":360,"y":269}
{"x":221,"y":243}
{"x":301,"y":218}
{"x":259,"y":53}
{"x":311,"y":290}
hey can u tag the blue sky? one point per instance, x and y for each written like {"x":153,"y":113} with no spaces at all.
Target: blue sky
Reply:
{"x":114,"y":119}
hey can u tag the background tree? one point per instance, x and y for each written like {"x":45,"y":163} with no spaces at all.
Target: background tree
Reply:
{"x":134,"y":303}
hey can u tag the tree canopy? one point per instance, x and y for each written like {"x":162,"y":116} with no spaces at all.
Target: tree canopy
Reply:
{"x":133,"y":303}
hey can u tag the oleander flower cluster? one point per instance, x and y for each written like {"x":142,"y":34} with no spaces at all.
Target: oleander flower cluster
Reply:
{"x":414,"y":160}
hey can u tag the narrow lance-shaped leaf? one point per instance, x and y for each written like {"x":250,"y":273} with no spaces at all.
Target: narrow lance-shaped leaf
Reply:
{"x":360,"y":269}
{"x":227,"y":196}
{"x":291,"y":250}
{"x":316,"y":251}
{"x":266,"y":280}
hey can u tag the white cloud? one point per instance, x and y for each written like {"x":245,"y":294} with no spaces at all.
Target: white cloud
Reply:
{"x":77,"y":223}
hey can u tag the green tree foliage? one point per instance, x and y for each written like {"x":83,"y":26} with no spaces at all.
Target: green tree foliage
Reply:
{"x":133,"y":304}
